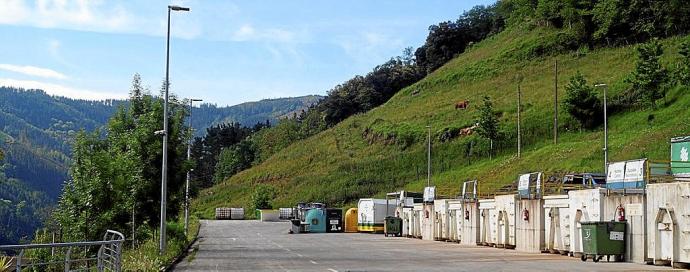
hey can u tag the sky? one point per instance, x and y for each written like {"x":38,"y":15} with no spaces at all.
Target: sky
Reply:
{"x":225,"y":52}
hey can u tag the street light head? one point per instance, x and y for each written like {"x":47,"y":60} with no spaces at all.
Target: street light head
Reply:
{"x":178,"y":8}
{"x":196,"y":100}
{"x":600,"y":85}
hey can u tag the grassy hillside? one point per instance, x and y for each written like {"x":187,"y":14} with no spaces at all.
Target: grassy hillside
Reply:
{"x":384,"y":149}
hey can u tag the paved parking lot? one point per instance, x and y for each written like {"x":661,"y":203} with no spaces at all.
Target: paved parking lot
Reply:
{"x":257,"y":246}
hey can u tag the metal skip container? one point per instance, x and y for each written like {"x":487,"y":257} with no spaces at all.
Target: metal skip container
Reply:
{"x":372,"y":213}
{"x":668,"y":223}
{"x":407,"y":217}
{"x":454,"y":219}
{"x":468,"y":218}
{"x":441,"y":220}
{"x":668,"y":209}
{"x":417,"y":215}
{"x":557,"y":224}
{"x":529,"y":225}
{"x":597,"y":205}
{"x":505,"y":222}
{"x":487,"y":223}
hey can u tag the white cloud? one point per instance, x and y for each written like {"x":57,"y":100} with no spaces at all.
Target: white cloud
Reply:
{"x":13,"y":11}
{"x":367,"y":46}
{"x":88,"y":15}
{"x":247,"y":32}
{"x":60,"y":90}
{"x":33,"y":71}
{"x":98,"y":16}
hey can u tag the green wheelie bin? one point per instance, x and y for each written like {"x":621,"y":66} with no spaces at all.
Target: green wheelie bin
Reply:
{"x":601,"y":239}
{"x":392,"y":226}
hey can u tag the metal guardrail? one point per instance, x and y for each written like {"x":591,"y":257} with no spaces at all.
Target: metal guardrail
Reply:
{"x":74,"y":256}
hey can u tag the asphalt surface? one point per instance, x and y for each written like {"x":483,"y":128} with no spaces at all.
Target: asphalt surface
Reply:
{"x":264,"y":246}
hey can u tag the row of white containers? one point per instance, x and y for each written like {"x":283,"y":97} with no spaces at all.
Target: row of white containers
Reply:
{"x":658,"y":228}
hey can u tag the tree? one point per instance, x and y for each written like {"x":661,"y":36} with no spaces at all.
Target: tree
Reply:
{"x":234,"y":159}
{"x":263,"y":196}
{"x":487,"y":121}
{"x":683,"y":69}
{"x":115,"y":175}
{"x":582,"y":103}
{"x":649,"y":76}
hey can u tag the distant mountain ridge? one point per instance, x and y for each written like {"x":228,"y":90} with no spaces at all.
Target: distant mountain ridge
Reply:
{"x":36,"y":129}
{"x":250,"y":113}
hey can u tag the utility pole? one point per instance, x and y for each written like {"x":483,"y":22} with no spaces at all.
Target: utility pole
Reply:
{"x":518,"y":121}
{"x":428,"y":161}
{"x":189,"y":157}
{"x":606,"y":130}
{"x":555,"y":104}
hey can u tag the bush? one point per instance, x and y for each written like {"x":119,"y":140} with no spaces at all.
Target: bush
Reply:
{"x":263,"y":197}
{"x":582,"y":103}
{"x":649,"y":77}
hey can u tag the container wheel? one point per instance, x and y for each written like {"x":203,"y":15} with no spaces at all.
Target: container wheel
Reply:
{"x":596,"y":258}
{"x":583,"y":257}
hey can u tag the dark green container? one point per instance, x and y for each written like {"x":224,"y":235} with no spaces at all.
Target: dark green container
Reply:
{"x":392,"y":226}
{"x":603,"y":239}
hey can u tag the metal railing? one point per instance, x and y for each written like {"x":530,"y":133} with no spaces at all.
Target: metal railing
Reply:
{"x":74,"y":256}
{"x":667,"y":171}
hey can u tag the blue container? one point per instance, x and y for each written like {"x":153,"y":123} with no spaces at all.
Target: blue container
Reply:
{"x":316,"y":218}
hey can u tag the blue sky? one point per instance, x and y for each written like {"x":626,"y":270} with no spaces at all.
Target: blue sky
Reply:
{"x":225,"y":52}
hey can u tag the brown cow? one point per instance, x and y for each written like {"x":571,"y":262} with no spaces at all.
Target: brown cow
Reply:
{"x":462,"y":104}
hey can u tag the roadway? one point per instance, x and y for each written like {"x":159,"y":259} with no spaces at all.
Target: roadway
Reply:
{"x":264,"y":246}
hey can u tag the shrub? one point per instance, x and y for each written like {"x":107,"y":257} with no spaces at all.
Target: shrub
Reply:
{"x":582,"y":103}
{"x":263,"y":197}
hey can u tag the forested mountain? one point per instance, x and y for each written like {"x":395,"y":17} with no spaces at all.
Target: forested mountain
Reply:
{"x":250,"y":113}
{"x":37,"y":131}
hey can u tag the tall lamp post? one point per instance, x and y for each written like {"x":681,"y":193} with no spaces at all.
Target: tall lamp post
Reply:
{"x":428,"y":159}
{"x":164,"y":168}
{"x":606,"y":131}
{"x":189,"y":156}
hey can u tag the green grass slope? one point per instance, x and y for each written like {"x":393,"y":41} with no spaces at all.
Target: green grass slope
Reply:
{"x":384,"y":149}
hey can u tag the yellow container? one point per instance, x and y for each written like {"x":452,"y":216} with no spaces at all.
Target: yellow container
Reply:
{"x":351,"y":220}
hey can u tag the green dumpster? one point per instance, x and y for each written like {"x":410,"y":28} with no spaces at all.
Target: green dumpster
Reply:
{"x":392,"y":226}
{"x":603,"y":239}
